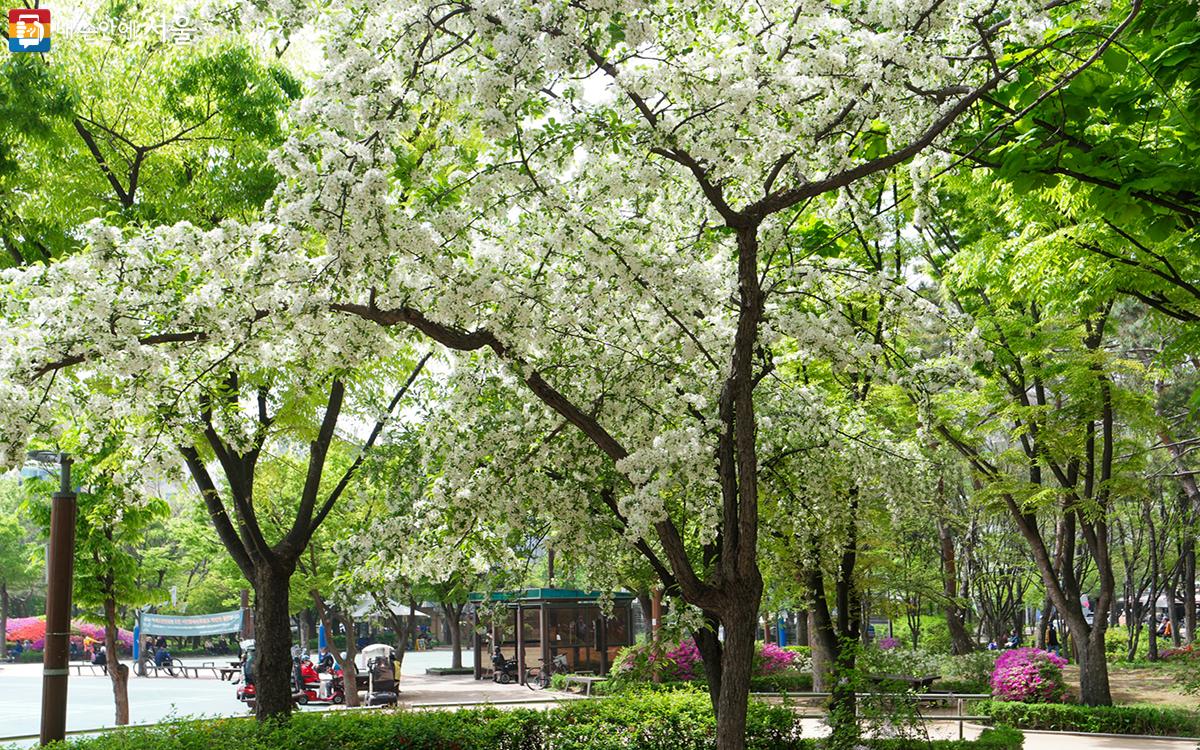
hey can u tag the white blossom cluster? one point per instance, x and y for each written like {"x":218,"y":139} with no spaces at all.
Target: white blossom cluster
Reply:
{"x":542,"y":172}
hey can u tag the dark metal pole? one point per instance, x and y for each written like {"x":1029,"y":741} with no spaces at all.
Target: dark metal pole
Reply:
{"x":60,"y":567}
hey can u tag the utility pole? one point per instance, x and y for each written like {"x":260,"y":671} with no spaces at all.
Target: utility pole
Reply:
{"x":60,"y":568}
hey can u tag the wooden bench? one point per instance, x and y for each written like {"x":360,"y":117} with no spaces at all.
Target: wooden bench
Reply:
{"x":227,"y":673}
{"x":582,"y":679}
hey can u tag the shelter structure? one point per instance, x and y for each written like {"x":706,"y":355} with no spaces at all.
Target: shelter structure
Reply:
{"x":539,"y":624}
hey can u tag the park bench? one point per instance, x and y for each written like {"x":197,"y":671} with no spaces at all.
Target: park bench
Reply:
{"x":585,"y":680}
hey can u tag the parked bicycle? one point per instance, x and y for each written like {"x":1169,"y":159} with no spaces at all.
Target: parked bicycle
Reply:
{"x":538,"y":678}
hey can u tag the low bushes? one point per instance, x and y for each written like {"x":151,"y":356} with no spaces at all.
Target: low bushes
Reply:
{"x":659,"y":721}
{"x":1149,"y":720}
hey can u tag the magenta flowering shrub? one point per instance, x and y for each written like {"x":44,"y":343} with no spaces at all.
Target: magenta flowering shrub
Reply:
{"x":33,"y":629}
{"x":887,"y":643}
{"x":772,"y":659}
{"x":1029,"y":675}
{"x":682,"y":662}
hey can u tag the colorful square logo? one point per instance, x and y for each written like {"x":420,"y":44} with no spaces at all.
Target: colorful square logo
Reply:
{"x":29,"y":30}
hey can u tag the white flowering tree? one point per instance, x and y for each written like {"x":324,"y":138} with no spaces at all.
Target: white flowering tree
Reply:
{"x":614,"y":215}
{"x":228,"y":383}
{"x":603,"y":201}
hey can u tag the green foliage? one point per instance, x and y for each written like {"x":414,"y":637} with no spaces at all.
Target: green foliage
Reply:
{"x":652,"y":721}
{"x":790,"y":681}
{"x":1149,"y":720}
{"x":111,"y":523}
{"x":974,"y":668}
{"x":898,"y":661}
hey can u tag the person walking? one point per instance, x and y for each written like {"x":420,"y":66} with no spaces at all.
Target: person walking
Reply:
{"x":1052,"y":644}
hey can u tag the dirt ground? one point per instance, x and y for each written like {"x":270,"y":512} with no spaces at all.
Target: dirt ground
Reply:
{"x":1139,"y":685}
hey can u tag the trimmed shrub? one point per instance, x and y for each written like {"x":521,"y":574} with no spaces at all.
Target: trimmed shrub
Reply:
{"x":1149,"y":720}
{"x":660,"y":721}
{"x":1029,"y":675}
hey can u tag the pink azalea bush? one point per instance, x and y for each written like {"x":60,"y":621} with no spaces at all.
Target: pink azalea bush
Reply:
{"x":772,"y":659}
{"x":887,"y":643}
{"x":1029,"y":675}
{"x":682,"y":662}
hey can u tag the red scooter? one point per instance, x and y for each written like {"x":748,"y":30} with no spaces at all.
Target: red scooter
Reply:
{"x":310,"y":688}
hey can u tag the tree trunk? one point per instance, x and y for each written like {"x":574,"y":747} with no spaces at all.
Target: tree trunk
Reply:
{"x":737,"y":654}
{"x":1152,"y":633}
{"x":4,"y":619}
{"x":801,"y":628}
{"x":711,"y":656}
{"x":118,"y":673}
{"x":453,"y":617}
{"x":273,"y":683}
{"x":960,"y":639}
{"x":349,"y":665}
{"x":1093,"y":668}
{"x":1189,"y":584}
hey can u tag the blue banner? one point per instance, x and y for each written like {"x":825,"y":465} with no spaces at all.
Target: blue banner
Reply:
{"x":214,"y":624}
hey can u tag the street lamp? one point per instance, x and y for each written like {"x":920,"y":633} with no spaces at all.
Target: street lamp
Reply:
{"x":60,"y":564}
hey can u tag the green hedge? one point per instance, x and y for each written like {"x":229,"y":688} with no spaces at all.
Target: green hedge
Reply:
{"x":1148,"y":720}
{"x":660,"y":721}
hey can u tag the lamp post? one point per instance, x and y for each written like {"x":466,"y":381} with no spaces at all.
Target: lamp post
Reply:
{"x":60,"y":564}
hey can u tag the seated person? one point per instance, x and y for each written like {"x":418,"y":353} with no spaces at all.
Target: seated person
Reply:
{"x":162,"y":657}
{"x":325,"y":661}
{"x":307,"y":673}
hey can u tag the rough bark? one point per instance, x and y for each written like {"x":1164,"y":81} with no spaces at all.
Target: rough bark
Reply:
{"x":709,"y":646}
{"x":960,"y":640}
{"x":737,"y":654}
{"x":1093,"y":667}
{"x":273,"y":683}
{"x":453,"y":614}
{"x":118,"y":673}
{"x":820,"y":631}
